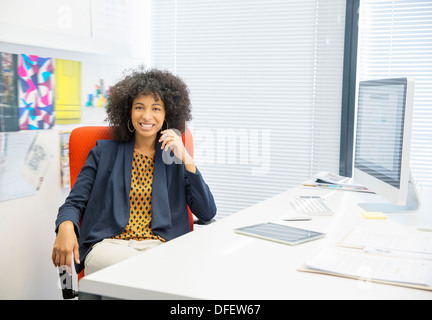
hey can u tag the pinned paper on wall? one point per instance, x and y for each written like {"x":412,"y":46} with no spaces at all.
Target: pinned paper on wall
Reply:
{"x":111,"y":20}
{"x":14,"y":148}
{"x":8,"y":92}
{"x":25,"y":157}
{"x":64,"y":158}
{"x":36,"y":92}
{"x":36,"y":162}
{"x":67,"y":91}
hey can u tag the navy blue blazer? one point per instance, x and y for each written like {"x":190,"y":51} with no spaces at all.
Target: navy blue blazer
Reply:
{"x":100,"y":196}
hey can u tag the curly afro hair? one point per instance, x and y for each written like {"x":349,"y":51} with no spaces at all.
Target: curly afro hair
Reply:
{"x":170,"y":88}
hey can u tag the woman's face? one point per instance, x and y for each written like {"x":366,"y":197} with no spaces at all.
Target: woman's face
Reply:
{"x":147,"y":115}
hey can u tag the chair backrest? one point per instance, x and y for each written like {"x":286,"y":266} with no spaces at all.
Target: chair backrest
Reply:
{"x":83,"y":139}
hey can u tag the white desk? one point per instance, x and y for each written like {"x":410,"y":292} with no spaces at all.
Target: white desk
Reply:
{"x":216,"y":263}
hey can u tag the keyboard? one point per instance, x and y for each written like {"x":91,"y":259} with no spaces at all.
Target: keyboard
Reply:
{"x":313,"y":206}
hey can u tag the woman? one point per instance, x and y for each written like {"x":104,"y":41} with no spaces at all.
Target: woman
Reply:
{"x":128,"y":198}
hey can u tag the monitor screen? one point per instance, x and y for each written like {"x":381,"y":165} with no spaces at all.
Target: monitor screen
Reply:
{"x":382,"y":142}
{"x":380,"y":129}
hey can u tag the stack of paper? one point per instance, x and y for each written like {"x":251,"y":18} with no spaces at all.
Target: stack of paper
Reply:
{"x":326,"y":180}
{"x":401,"y":259}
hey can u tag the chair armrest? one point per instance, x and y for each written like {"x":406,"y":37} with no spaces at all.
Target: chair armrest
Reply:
{"x":202,"y":222}
{"x":66,"y":285}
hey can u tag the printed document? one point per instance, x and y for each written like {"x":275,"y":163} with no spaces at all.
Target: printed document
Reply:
{"x":343,"y":262}
{"x":413,"y":242}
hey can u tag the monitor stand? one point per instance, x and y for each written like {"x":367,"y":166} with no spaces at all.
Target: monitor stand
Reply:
{"x":412,"y":203}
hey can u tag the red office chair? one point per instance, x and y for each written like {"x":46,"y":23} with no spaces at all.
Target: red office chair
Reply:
{"x":81,"y":141}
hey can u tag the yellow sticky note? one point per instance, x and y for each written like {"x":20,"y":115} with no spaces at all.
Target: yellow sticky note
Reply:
{"x":373,"y":215}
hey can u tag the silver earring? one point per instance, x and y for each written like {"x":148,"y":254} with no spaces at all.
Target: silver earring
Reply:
{"x":128,"y":125}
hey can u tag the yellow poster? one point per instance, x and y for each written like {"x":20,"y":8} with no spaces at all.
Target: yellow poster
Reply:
{"x":68,"y":91}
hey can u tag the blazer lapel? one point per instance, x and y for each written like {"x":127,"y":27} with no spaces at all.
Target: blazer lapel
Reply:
{"x":128,"y":156}
{"x":161,"y":212}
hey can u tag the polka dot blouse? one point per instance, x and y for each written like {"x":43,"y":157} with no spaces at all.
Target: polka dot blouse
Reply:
{"x":138,"y":227}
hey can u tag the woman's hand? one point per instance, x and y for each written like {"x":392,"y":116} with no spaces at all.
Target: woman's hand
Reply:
{"x":173,"y":141}
{"x":65,"y":245}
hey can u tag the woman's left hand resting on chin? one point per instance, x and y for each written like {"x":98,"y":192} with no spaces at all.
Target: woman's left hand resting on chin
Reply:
{"x":173,"y":141}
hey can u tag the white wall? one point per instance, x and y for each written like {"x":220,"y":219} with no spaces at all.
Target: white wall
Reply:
{"x":78,"y":25}
{"x":65,"y":30}
{"x":27,"y":235}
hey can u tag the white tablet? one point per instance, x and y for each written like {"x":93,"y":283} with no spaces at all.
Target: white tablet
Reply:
{"x":280,"y":233}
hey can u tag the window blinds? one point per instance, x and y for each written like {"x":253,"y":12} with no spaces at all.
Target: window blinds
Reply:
{"x":265,"y":81}
{"x":395,"y":40}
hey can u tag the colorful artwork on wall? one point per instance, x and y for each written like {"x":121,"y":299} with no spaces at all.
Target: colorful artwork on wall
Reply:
{"x":8,"y":92}
{"x":100,"y":96}
{"x":36,"y":92}
{"x":68,"y":91}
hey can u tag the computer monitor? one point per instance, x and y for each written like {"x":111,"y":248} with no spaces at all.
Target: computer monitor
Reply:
{"x":383,"y":141}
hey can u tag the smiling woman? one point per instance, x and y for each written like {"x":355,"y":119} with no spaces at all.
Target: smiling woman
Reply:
{"x":127,"y":196}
